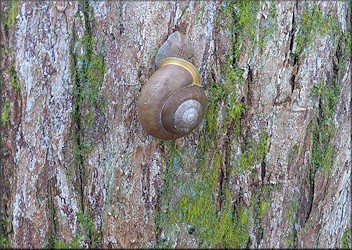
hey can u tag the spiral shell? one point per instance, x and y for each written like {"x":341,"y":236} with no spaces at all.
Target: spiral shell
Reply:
{"x":172,"y":103}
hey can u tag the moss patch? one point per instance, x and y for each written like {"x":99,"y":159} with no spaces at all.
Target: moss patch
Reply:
{"x":253,"y":153}
{"x":269,"y":27}
{"x":292,"y":154}
{"x":13,"y":81}
{"x":195,"y":205}
{"x":204,"y":202}
{"x":322,"y":128}
{"x":4,"y":237}
{"x":87,"y":233}
{"x":87,"y":227}
{"x":291,"y":215}
{"x":11,"y":14}
{"x":87,"y":68}
{"x":313,"y":23}
{"x":327,"y":93}
{"x":347,"y":239}
{"x":87,"y":73}
{"x":5,"y":113}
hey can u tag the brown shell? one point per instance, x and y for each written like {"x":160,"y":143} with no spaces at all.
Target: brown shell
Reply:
{"x":192,"y":92}
{"x":167,"y":88}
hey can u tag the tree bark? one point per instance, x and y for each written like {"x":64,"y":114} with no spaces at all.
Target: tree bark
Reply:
{"x":269,"y":167}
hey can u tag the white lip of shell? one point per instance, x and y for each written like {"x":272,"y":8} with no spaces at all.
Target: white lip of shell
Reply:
{"x":186,"y":115}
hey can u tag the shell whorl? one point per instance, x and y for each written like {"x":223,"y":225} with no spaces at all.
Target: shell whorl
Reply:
{"x":186,"y":115}
{"x":183,"y":111}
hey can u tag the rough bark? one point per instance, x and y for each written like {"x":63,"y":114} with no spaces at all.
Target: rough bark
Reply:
{"x":269,"y":167}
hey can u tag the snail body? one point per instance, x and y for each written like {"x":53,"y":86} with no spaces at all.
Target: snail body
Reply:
{"x":172,"y":102}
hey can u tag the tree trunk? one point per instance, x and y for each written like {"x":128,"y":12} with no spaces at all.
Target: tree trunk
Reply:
{"x":269,"y":166}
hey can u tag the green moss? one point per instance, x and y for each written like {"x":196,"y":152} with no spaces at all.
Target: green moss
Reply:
{"x":167,"y":218}
{"x":55,"y":223}
{"x":290,"y":213}
{"x":313,"y":22}
{"x":214,"y":228}
{"x":4,"y":237}
{"x":322,"y":24}
{"x":87,"y":68}
{"x":263,"y":208}
{"x":200,"y":14}
{"x":11,"y":13}
{"x":87,"y":233}
{"x":327,"y":95}
{"x":76,"y":243}
{"x":253,"y":153}
{"x":4,"y":242}
{"x":231,"y":231}
{"x":347,"y":239}
{"x":87,"y":73}
{"x":88,"y":228}
{"x":5,"y":113}
{"x":343,"y":46}
{"x":13,"y":80}
{"x":323,"y":127}
{"x":292,"y":154}
{"x":201,"y":202}
{"x":89,"y":77}
{"x":270,"y":26}
{"x":245,"y":26}
{"x":62,"y":245}
{"x":196,"y":205}
{"x":240,"y":18}
{"x":259,"y":206}
{"x":211,"y":115}
{"x":15,"y":85}
{"x":289,"y":241}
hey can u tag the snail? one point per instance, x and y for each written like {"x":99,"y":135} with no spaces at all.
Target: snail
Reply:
{"x":172,"y":102}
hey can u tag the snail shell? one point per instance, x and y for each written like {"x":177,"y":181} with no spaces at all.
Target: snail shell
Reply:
{"x":172,"y":102}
